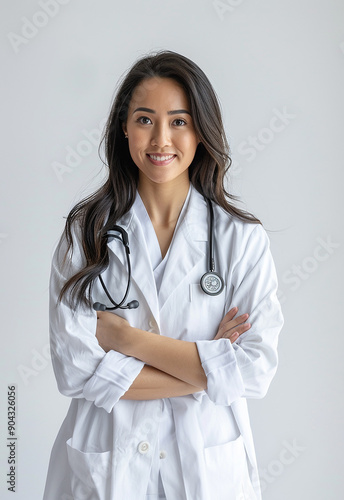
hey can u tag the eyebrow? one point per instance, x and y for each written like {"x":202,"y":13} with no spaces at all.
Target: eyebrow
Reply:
{"x":174,"y":112}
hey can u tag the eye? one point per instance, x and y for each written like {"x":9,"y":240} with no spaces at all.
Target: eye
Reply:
{"x":179,"y":122}
{"x":144,"y":120}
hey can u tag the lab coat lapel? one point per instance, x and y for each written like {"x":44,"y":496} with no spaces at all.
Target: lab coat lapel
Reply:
{"x":187,"y":247}
{"x":141,"y":268}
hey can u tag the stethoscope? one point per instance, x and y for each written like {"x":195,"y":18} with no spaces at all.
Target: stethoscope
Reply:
{"x":211,"y":282}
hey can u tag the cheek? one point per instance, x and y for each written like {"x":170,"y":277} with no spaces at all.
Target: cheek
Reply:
{"x":138,"y":141}
{"x":190,"y":145}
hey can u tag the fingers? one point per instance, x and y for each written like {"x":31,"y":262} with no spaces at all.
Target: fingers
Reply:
{"x":233,"y":334}
{"x":231,"y":327}
{"x":229,"y":316}
{"x":233,"y":337}
{"x":236,"y":321}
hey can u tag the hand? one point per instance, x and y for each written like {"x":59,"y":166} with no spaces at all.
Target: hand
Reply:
{"x":111,"y":331}
{"x":231,"y":328}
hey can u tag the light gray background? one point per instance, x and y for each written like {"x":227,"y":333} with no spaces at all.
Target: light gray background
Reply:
{"x":263,"y":58}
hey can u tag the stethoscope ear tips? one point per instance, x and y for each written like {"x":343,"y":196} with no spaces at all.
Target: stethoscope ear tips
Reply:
{"x":134,"y":304}
{"x":97,"y":306}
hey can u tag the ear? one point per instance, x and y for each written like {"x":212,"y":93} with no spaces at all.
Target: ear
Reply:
{"x":124,"y":127}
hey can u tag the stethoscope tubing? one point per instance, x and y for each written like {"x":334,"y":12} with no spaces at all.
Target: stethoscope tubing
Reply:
{"x":211,"y":282}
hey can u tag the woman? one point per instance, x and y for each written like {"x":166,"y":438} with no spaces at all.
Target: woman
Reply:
{"x":159,"y":386}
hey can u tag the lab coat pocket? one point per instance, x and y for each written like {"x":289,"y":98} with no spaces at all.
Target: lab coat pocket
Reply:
{"x":90,"y":474}
{"x":227,"y":470}
{"x":204,"y":312}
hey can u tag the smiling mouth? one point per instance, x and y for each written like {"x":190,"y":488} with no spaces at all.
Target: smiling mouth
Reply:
{"x":161,"y":159}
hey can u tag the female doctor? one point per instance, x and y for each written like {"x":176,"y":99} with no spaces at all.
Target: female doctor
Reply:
{"x":159,"y":382}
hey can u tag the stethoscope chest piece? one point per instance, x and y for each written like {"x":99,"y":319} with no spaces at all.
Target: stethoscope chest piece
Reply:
{"x":212,"y":283}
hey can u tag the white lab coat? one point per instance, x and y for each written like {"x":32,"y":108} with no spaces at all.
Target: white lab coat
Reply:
{"x":106,"y":445}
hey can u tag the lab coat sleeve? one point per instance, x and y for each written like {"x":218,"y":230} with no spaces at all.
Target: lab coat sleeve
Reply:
{"x":82,"y":368}
{"x":246,"y":367}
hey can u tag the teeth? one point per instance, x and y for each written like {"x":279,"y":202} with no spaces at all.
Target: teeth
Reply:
{"x":161,"y":158}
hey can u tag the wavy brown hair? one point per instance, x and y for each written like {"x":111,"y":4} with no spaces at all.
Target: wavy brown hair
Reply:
{"x":99,"y":212}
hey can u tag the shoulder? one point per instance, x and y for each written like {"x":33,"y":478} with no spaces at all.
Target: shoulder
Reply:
{"x":69,"y":251}
{"x":230,"y":232}
{"x":242,"y":246}
{"x":234,"y":227}
{"x":229,"y":229}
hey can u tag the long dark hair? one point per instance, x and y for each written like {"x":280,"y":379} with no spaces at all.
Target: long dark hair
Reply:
{"x":99,"y":212}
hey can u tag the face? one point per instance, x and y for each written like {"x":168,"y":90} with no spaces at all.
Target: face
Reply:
{"x":161,"y":134}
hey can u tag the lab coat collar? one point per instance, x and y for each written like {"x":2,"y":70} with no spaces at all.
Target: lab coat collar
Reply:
{"x":187,"y":247}
{"x":185,"y":252}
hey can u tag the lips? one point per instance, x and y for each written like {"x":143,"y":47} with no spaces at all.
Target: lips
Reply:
{"x":161,"y":159}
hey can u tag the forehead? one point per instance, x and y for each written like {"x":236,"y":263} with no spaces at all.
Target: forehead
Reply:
{"x":159,"y":92}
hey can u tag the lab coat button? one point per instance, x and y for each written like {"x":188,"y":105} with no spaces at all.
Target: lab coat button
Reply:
{"x":163,"y":454}
{"x":143,"y":447}
{"x":151,"y":323}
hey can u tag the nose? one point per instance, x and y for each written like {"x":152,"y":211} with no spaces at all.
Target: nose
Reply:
{"x":161,"y":135}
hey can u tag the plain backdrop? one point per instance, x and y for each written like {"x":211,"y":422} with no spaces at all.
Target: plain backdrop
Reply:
{"x":278,"y":69}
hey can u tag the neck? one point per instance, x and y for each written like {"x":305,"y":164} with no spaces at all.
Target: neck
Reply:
{"x":164,"y":202}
